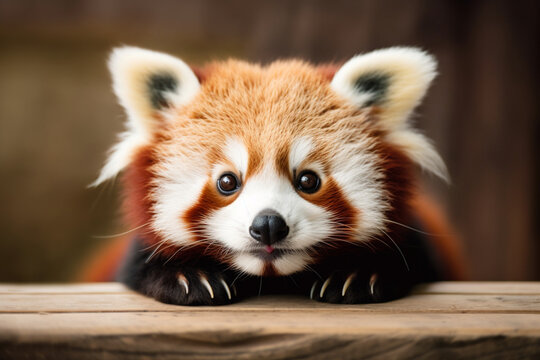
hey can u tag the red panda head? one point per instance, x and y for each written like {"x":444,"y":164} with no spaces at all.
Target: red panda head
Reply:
{"x":265,"y":167}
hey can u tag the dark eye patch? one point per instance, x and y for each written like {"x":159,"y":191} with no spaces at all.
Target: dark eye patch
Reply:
{"x":158,"y":85}
{"x":375,"y":84}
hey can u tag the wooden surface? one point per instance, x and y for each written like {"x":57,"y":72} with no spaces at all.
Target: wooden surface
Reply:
{"x":441,"y":320}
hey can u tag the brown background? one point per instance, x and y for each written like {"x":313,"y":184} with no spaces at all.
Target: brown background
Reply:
{"x":58,"y":116}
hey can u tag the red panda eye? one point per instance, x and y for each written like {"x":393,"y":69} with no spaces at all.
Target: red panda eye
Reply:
{"x":228,"y":184}
{"x":308,"y":182}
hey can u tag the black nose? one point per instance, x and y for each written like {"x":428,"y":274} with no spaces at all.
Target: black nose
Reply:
{"x":268,"y":227}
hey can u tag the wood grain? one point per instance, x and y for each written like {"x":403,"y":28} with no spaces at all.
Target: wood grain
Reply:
{"x":441,"y":320}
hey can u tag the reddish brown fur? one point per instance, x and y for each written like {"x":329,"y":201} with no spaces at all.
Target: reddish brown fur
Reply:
{"x":332,"y":199}
{"x":104,"y":263}
{"x":446,"y":241}
{"x":209,"y":201}
{"x":137,"y":185}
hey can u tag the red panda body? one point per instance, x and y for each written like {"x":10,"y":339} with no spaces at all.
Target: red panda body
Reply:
{"x":244,"y":179}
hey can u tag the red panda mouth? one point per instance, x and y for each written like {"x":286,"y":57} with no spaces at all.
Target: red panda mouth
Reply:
{"x":269,"y":253}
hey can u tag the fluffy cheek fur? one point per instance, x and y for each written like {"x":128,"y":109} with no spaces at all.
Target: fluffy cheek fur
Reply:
{"x":361,"y":179}
{"x":178,"y":184}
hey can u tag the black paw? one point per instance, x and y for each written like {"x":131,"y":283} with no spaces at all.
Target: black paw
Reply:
{"x":203,"y":282}
{"x":358,"y":288}
{"x":199,"y":288}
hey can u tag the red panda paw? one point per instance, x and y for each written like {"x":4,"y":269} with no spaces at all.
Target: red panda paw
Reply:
{"x":205,"y":289}
{"x":192,"y":287}
{"x":176,"y":282}
{"x":359,"y":288}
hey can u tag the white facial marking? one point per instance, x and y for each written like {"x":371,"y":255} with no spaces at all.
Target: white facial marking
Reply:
{"x":357,"y":173}
{"x":237,"y":153}
{"x":180,"y":182}
{"x":249,"y":263}
{"x":290,"y":263}
{"x":300,"y":150}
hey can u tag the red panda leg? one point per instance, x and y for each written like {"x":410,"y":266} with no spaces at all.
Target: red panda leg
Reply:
{"x":201,"y":282}
{"x":358,"y":275}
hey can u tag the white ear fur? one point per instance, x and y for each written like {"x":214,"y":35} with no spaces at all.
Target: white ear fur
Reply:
{"x":420,"y":150}
{"x":395,"y":80}
{"x":146,"y":83}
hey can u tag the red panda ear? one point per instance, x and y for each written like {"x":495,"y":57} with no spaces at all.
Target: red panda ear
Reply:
{"x":394,"y":80}
{"x":147,"y":84}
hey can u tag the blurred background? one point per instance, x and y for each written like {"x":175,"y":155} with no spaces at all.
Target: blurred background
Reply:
{"x":58,"y":115}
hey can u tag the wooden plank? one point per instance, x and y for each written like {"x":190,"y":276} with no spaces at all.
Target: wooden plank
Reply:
{"x":443,"y":287}
{"x":416,"y":303}
{"x":73,"y":288}
{"x":73,"y":325}
{"x":479,"y":287}
{"x":267,"y":335}
{"x":282,"y":346}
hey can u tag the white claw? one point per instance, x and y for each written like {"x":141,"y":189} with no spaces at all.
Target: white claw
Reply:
{"x":347,"y":283}
{"x":207,"y":285}
{"x":372,"y":280}
{"x":226,"y":288}
{"x":324,"y":286}
{"x":312,"y":290}
{"x":183,"y":281}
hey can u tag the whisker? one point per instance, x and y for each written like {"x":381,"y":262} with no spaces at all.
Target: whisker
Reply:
{"x":152,"y":245}
{"x":239,"y":276}
{"x":172,"y":256}
{"x":119,"y":234}
{"x":260,"y":285}
{"x":399,"y":249}
{"x":413,"y":229}
{"x":154,"y":252}
{"x":313,"y":271}
{"x":376,"y":238}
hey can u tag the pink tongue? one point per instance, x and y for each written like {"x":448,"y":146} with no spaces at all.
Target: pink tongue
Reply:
{"x":269,"y":249}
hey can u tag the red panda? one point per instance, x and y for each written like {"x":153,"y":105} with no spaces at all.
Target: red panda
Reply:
{"x":242,"y":179}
